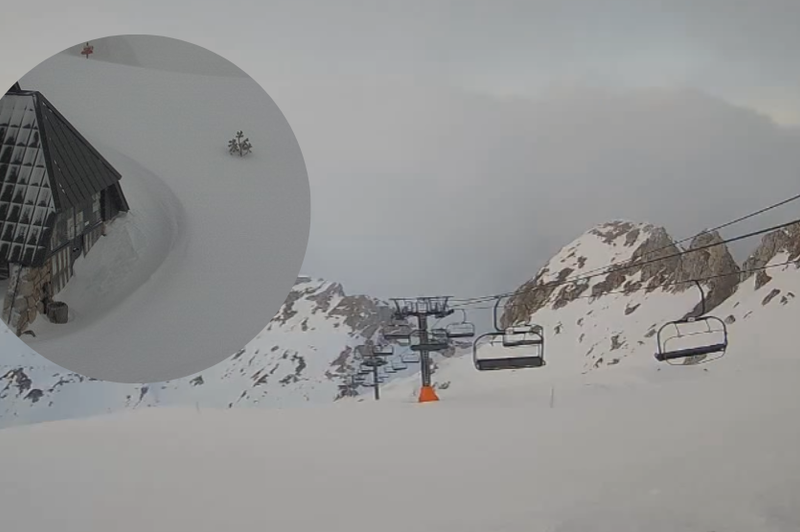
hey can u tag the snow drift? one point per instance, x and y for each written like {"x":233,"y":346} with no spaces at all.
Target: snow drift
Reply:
{"x":692,"y":455}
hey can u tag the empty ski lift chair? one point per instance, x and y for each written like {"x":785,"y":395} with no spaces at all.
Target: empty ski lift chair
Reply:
{"x":437,"y":341}
{"x":518,"y":347}
{"x":692,"y":353}
{"x":385,"y":350}
{"x":462,"y":329}
{"x":398,"y":365}
{"x":398,"y":332}
{"x":410,"y":358}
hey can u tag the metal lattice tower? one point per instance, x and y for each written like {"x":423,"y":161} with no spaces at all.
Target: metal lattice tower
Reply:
{"x":422,"y":308}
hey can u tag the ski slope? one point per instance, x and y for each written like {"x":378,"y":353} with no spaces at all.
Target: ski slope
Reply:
{"x":296,"y":360}
{"x":699,"y":452}
{"x":212,"y":243}
{"x":633,"y":446}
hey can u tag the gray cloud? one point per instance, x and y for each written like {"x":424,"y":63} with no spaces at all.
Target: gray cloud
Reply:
{"x":420,"y":186}
{"x":418,"y":190}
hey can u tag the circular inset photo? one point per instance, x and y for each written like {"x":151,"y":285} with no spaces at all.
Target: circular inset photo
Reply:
{"x":154,"y":209}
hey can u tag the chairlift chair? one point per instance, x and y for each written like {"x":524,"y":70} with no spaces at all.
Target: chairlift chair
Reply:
{"x":523,"y":335}
{"x":398,"y":332}
{"x":695,"y":353}
{"x":462,"y":329}
{"x":516,"y":353}
{"x":398,"y":364}
{"x":371,"y":362}
{"x":384,"y":350}
{"x":437,"y":341}
{"x":410,"y":358}
{"x":708,"y":350}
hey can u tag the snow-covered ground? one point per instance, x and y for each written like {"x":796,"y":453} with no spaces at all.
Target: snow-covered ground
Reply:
{"x":632,"y":446}
{"x":212,"y":244}
{"x":297,"y":359}
{"x":701,"y":451}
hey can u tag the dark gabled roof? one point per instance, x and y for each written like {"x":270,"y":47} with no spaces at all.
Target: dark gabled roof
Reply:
{"x":76,"y":169}
{"x":46,"y":166}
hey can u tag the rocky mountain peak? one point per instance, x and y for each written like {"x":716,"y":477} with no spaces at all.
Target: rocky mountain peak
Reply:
{"x":786,"y":240}
{"x":713,"y":263}
{"x":624,"y":256}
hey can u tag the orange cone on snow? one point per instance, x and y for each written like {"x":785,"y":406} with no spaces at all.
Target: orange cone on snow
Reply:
{"x":427,"y":394}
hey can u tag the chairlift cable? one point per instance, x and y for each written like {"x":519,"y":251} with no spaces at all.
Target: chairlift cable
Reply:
{"x":681,"y":241}
{"x":612,"y":269}
{"x":707,"y":231}
{"x":671,"y":283}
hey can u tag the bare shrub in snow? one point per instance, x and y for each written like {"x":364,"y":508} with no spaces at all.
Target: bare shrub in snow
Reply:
{"x":239,"y":145}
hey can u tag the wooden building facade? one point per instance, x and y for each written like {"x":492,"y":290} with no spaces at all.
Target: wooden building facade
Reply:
{"x":57,"y":192}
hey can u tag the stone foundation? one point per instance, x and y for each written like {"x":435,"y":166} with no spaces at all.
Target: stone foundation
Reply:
{"x":23,"y":300}
{"x":22,"y":303}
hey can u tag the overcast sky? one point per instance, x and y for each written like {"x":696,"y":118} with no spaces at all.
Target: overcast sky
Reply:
{"x":453,"y":148}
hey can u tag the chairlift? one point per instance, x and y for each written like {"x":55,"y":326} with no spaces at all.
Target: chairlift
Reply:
{"x":523,"y":335}
{"x":437,"y":341}
{"x":371,"y":362}
{"x":410,"y":358}
{"x":398,"y":364}
{"x":671,"y":348}
{"x":385,"y":350}
{"x":381,"y":379}
{"x":503,"y":354}
{"x":389,"y":368}
{"x":462,"y":329}
{"x":398,"y":332}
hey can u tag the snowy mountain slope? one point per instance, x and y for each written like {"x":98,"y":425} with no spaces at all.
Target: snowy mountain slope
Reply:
{"x":299,"y":357}
{"x":607,"y":324}
{"x":765,"y":309}
{"x":691,"y":455}
{"x":197,"y":300}
{"x":608,"y":317}
{"x":302,"y":354}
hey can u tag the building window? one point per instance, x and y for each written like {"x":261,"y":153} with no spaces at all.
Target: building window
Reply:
{"x":70,"y":228}
{"x":79,"y":222}
{"x":96,"y":203}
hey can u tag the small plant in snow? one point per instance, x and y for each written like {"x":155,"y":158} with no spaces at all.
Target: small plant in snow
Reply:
{"x":239,"y":145}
